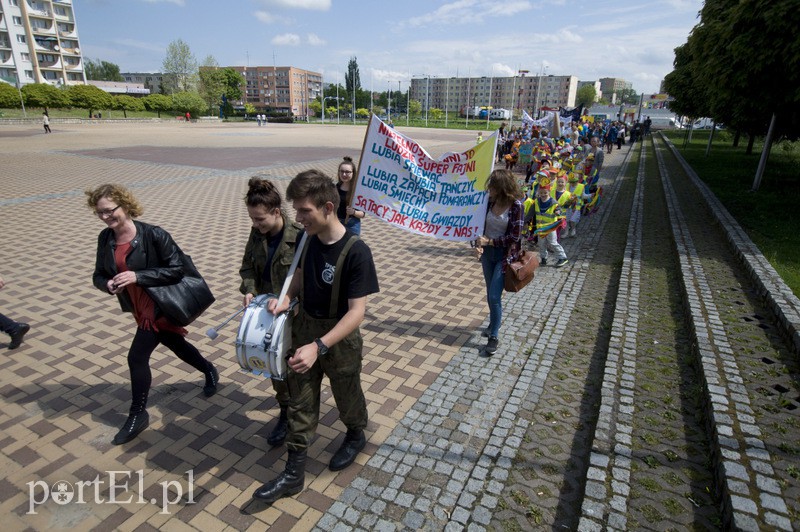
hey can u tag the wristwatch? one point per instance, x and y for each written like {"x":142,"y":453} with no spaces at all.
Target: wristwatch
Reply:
{"x":322,"y":349}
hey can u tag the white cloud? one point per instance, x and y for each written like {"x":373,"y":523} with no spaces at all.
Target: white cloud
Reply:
{"x":566,"y":35}
{"x":314,"y":5}
{"x":286,"y":39}
{"x":140,"y":45}
{"x":468,"y":11}
{"x":501,"y":70}
{"x":270,"y":18}
{"x":314,"y":40}
{"x":176,"y":2}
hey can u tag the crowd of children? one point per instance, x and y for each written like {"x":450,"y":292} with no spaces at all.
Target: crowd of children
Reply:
{"x":560,"y":180}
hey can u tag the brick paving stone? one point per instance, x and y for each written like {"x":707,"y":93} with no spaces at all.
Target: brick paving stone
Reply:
{"x":433,"y":402}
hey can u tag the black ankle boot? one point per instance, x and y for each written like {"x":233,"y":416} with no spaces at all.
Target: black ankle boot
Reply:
{"x":354,"y":442}
{"x":281,"y":429}
{"x":212,"y":378}
{"x":135,"y":424}
{"x":288,"y":483}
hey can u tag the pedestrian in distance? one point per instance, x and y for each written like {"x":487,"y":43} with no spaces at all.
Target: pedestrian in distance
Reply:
{"x":46,"y":122}
{"x":335,"y":275}
{"x":132,"y":256}
{"x":15,"y":329}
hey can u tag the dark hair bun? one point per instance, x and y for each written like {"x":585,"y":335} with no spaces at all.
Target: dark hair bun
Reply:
{"x":258,"y":185}
{"x":347,"y":159}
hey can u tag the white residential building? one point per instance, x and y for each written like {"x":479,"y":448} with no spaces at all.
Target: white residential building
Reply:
{"x":39,"y":43}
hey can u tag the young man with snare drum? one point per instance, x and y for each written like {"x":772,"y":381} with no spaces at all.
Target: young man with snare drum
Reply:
{"x":335,"y":275}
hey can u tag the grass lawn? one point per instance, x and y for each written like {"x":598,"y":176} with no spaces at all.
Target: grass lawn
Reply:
{"x":770,"y":215}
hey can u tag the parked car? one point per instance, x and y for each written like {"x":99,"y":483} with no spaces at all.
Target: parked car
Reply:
{"x":706,"y":123}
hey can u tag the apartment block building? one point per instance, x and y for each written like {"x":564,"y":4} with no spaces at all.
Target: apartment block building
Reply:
{"x":39,"y":43}
{"x":612,"y":87}
{"x":456,"y":94}
{"x":150,"y":81}
{"x":286,"y":90}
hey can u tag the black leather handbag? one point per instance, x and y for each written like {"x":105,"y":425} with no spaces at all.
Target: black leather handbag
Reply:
{"x":184,"y":301}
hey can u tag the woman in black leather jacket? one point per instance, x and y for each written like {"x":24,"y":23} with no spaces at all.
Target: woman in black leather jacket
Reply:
{"x":132,"y":255}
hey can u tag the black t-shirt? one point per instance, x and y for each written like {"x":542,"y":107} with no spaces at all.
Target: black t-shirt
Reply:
{"x":359,"y":277}
{"x":341,"y":211}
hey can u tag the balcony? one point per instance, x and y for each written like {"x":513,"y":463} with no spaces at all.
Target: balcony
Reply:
{"x":43,"y":31}
{"x":35,"y":9}
{"x":51,"y":63}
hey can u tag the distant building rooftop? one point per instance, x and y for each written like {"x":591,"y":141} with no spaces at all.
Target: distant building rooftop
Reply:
{"x":120,"y":87}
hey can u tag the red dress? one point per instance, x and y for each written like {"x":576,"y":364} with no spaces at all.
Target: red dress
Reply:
{"x":144,"y":308}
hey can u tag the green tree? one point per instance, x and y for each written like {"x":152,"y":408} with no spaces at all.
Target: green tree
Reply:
{"x":44,"y":95}
{"x":628,"y":96}
{"x":434,"y":113}
{"x":352,"y":79}
{"x":362,"y":112}
{"x":102,"y":70}
{"x":415,"y":108}
{"x":212,"y":82}
{"x":89,"y":97}
{"x":188,"y":101}
{"x":125,"y":103}
{"x":315,"y":106}
{"x":233,"y":81}
{"x":586,"y":95}
{"x":9,"y":96}
{"x":179,"y":67}
{"x":158,"y":103}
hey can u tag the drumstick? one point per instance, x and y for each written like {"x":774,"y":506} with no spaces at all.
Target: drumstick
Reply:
{"x":213,"y":332}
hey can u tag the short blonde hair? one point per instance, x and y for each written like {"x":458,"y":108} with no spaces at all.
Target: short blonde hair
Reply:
{"x":119,"y":194}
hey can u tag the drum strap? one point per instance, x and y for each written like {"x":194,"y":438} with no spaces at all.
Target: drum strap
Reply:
{"x":337,"y":277}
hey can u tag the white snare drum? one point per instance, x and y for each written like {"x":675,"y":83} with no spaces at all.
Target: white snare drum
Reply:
{"x":264,"y":340}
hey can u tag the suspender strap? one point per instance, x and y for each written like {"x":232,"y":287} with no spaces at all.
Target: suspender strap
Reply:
{"x":337,"y":276}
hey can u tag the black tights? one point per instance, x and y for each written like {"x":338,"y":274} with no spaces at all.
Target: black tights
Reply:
{"x":143,"y":345}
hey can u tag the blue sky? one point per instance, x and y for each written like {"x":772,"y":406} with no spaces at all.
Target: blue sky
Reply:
{"x":394,"y":41}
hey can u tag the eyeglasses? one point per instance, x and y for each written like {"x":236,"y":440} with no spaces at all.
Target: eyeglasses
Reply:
{"x":106,"y":213}
{"x":345,"y":171}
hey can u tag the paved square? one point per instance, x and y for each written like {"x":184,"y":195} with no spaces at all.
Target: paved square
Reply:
{"x":65,"y":392}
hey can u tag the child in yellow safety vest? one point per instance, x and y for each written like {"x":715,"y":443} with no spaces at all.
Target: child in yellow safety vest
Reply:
{"x":563,"y":197}
{"x":579,"y":197}
{"x":549,"y":219}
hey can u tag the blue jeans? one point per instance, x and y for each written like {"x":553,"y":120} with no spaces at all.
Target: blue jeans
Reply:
{"x":492,"y":262}
{"x":353,"y":224}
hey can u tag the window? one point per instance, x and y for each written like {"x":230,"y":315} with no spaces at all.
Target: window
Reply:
{"x":21,"y":39}
{"x":26,"y":57}
{"x":17,"y":21}
{"x":29,"y":74}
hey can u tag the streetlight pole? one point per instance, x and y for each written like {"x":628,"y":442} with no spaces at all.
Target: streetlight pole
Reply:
{"x":427,"y":101}
{"x":389,"y":101}
{"x":21,"y":101}
{"x":446,"y":98}
{"x":521,"y":87}
{"x":538,"y":88}
{"x":489,"y":110}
